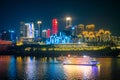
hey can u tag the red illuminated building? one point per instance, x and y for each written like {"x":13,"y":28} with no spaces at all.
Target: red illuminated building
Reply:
{"x":54,"y":26}
{"x":48,"y":33}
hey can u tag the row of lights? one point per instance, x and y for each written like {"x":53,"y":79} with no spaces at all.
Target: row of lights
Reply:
{"x":65,"y":49}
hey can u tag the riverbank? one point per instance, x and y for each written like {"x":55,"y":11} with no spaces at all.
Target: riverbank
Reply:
{"x":61,"y":49}
{"x":63,"y":53}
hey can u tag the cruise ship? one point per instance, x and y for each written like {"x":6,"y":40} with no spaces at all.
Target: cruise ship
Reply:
{"x":80,"y":60}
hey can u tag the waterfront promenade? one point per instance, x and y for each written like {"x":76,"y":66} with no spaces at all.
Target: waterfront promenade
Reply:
{"x":63,"y":49}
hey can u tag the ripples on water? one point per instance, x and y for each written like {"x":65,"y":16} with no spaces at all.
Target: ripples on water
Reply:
{"x":47,"y":68}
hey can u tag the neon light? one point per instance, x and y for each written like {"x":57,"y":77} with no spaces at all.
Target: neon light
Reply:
{"x":54,"y":26}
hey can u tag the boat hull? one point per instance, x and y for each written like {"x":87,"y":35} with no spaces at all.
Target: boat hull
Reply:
{"x":82,"y":64}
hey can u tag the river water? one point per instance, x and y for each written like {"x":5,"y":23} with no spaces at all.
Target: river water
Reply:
{"x":48,"y":68}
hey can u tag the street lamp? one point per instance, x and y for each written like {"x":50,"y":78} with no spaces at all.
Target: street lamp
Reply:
{"x":39,"y":23}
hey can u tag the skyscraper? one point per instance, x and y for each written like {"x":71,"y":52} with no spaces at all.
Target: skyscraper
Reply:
{"x":44,"y":33}
{"x":68,"y":22}
{"x":22,"y":29}
{"x":39,"y":28}
{"x":54,"y":26}
{"x":48,"y":33}
{"x":27,"y":30}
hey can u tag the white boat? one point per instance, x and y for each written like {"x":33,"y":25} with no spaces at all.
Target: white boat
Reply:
{"x":85,"y":61}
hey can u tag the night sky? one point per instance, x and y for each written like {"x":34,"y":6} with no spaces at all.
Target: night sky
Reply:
{"x":104,"y":14}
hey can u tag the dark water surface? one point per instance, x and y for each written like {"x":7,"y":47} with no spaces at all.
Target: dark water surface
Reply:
{"x":48,"y":68}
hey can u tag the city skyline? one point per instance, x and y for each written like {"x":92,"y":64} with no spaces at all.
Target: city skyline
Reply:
{"x":102,"y":14}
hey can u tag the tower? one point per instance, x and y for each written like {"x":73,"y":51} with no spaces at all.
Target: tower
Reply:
{"x":68,"y":22}
{"x":39,"y":29}
{"x":54,"y":26}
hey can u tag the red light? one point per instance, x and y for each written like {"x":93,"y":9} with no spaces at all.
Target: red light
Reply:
{"x":54,"y":26}
{"x":68,"y":55}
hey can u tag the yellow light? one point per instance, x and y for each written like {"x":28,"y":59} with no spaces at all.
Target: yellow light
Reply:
{"x":19,"y":43}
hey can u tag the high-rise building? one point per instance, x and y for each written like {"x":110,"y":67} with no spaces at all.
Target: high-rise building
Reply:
{"x":54,"y":26}
{"x":30,"y":30}
{"x":48,"y":33}
{"x":68,"y":22}
{"x":12,"y":35}
{"x":74,"y":30}
{"x":79,"y":29}
{"x":36,"y":33}
{"x":39,"y":28}
{"x":22,"y":29}
{"x":90,"y":27}
{"x":68,"y":28}
{"x":27,"y":30}
{"x":44,"y":33}
{"x":5,"y":35}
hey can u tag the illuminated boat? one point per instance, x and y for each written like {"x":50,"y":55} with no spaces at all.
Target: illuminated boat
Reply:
{"x":85,"y":61}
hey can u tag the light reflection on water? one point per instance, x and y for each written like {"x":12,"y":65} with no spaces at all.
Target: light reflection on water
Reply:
{"x":81,"y":72}
{"x":12,"y":68}
{"x":48,"y":68}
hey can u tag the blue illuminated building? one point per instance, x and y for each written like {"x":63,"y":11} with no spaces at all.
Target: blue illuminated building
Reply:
{"x":12,"y":35}
{"x":5,"y":35}
{"x":60,"y":38}
{"x":9,"y":35}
